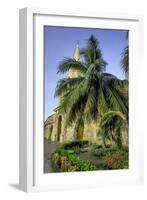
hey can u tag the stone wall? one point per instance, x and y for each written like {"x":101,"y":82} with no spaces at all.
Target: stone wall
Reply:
{"x":88,"y":132}
{"x":52,"y":132}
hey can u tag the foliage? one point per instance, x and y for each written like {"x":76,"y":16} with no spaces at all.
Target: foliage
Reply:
{"x":73,"y":144}
{"x":125,"y":59}
{"x":96,"y":146}
{"x":66,"y":158}
{"x":114,"y":158}
{"x":112,"y":124}
{"x":117,"y":160}
{"x":69,"y":162}
{"x":101,"y":152}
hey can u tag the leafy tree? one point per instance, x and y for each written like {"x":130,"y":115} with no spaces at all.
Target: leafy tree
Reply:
{"x":113,"y":123}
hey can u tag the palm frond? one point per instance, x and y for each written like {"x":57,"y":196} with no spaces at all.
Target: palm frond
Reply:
{"x":66,"y":84}
{"x":117,"y":100}
{"x":90,"y":110}
{"x":92,"y":42}
{"x":111,"y":126}
{"x":125,"y":61}
{"x":93,"y":52}
{"x":72,"y":97}
{"x":68,"y":63}
{"x":76,"y":109}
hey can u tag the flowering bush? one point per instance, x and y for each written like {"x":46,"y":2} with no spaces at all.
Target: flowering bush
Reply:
{"x":117,"y":160}
{"x":113,"y":157}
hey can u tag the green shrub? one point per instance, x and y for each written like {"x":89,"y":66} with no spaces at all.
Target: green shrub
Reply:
{"x":108,"y":146}
{"x":76,"y":149}
{"x":64,"y":152}
{"x":74,"y":144}
{"x":96,"y":146}
{"x":101,"y":152}
{"x":69,"y":162}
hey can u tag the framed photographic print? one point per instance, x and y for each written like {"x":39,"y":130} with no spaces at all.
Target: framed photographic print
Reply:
{"x":79,"y":103}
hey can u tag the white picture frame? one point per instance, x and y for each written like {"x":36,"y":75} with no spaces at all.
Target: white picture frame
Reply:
{"x":31,"y":101}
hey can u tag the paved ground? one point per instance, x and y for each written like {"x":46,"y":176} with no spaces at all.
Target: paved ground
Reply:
{"x":49,"y":148}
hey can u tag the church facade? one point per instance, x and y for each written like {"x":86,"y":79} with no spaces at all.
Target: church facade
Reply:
{"x":55,"y":130}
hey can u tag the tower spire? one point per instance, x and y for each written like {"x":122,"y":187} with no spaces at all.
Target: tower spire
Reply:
{"x":76,"y":55}
{"x":74,"y":73}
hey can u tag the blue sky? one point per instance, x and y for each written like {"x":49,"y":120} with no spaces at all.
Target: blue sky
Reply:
{"x":60,"y":42}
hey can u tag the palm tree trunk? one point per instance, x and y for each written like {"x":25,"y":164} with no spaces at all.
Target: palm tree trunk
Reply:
{"x":119,"y":138}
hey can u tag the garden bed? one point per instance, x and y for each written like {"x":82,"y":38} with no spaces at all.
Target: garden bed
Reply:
{"x":83,"y":156}
{"x":113,"y":157}
{"x":67,"y":158}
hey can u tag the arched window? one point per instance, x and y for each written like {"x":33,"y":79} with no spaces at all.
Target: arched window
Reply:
{"x":50,"y":132}
{"x":80,"y":131}
{"x":59,"y":130}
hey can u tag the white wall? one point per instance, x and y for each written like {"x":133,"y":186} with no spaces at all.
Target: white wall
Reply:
{"x":9,"y":97}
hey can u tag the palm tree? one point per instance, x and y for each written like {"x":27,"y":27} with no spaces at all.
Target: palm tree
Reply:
{"x":112,"y":125}
{"x":93,"y":92}
{"x":125,"y":58}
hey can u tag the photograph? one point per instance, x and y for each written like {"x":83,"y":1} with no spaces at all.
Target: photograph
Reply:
{"x":86,"y":99}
